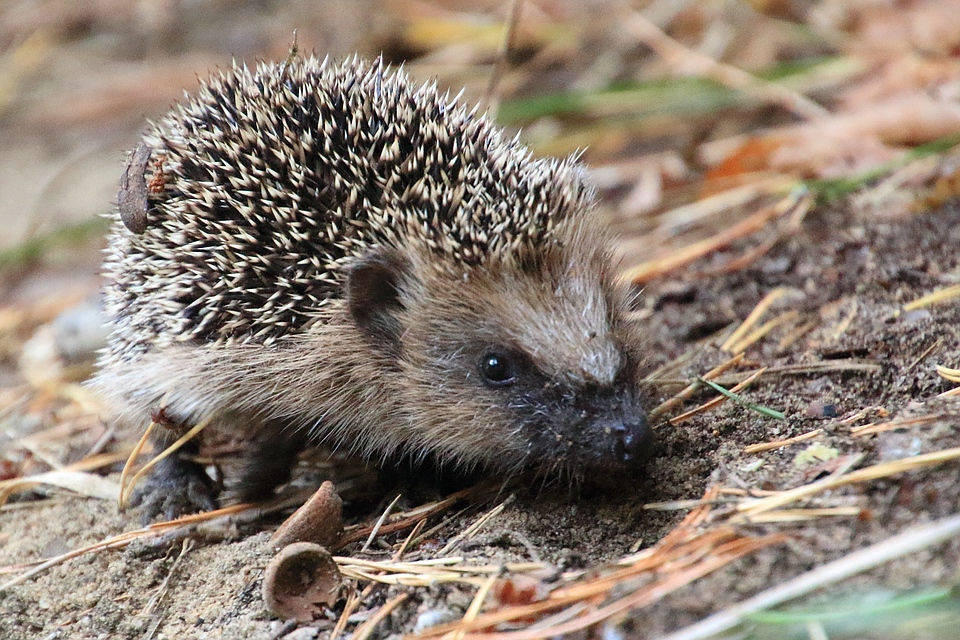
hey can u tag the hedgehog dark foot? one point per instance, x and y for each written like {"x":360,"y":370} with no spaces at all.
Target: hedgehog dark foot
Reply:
{"x":267,"y":464}
{"x":175,"y":487}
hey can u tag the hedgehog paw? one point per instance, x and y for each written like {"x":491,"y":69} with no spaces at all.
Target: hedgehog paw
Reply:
{"x":174,"y":488}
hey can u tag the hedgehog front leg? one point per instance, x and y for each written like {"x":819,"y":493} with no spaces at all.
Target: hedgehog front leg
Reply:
{"x":267,"y":462}
{"x":177,"y":485}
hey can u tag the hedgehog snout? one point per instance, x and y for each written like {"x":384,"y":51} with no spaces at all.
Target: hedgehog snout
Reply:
{"x":622,"y":440}
{"x":612,"y":432}
{"x":592,"y":430}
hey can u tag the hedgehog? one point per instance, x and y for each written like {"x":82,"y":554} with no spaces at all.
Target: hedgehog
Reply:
{"x":325,"y":253}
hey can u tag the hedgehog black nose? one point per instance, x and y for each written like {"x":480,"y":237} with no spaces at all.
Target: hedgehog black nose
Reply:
{"x":628,"y":441}
{"x":631,"y":441}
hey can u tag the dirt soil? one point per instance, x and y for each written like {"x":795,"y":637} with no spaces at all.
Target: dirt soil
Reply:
{"x":852,"y":271}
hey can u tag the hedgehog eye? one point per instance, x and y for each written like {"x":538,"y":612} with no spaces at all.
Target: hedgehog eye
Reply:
{"x":497,"y":369}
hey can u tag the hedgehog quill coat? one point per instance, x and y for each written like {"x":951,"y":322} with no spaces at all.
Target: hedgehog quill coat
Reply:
{"x":325,"y":251}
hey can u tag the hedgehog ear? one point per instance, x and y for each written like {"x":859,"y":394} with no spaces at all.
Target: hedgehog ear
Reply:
{"x":373,"y":295}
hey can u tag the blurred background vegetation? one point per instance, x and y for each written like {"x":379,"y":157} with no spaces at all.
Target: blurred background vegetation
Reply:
{"x":672,"y":100}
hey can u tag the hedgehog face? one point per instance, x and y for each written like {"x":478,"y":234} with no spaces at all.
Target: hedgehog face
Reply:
{"x":509,"y":366}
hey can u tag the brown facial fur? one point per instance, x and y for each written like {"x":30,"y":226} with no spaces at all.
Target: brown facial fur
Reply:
{"x":560,"y":315}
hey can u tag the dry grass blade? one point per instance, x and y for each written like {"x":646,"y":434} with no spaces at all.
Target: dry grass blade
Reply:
{"x":687,"y":392}
{"x":758,"y":333}
{"x":942,"y":295}
{"x":351,"y":605}
{"x":354,"y":599}
{"x":751,"y":508}
{"x":673,"y":579}
{"x":152,"y":531}
{"x":752,"y":318}
{"x":84,"y":484}
{"x":475,"y":605}
{"x":846,"y":321}
{"x":88,"y":485}
{"x":426,"y":572}
{"x":904,"y":423}
{"x":131,"y":460}
{"x":751,"y":224}
{"x":805,"y":515}
{"x":662,"y":374}
{"x":472,"y":529}
{"x":795,"y":334}
{"x":679,"y":558}
{"x":881,"y":412}
{"x":161,"y":591}
{"x":752,"y":255}
{"x":803,"y":369}
{"x":902,"y":544}
{"x":953,"y":375}
{"x":379,"y":523}
{"x":412,"y":517}
{"x":776,"y":444}
{"x":364,"y":631}
{"x":706,"y":406}
{"x":182,"y":440}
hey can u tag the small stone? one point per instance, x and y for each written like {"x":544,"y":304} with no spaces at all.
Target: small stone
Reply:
{"x":432,"y":618}
{"x":303,"y":633}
